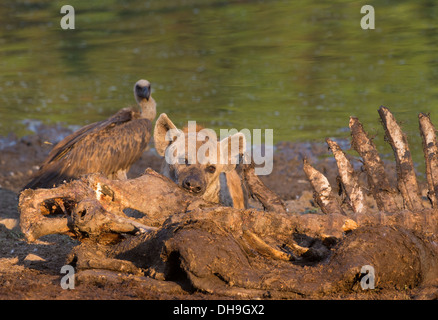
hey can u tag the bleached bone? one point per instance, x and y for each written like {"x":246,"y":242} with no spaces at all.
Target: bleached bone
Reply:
{"x":322,"y":194}
{"x":406,"y":179}
{"x":430,"y":150}
{"x":349,"y":178}
{"x":373,"y":165}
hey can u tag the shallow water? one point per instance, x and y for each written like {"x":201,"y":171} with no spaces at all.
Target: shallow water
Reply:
{"x":298,"y":67}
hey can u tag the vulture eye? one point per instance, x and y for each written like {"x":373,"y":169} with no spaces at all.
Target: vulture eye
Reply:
{"x":211,"y":169}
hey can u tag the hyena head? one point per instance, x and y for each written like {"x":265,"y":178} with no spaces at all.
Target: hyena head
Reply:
{"x":194,"y":158}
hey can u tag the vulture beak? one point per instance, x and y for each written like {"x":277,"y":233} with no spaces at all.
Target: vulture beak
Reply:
{"x":145,"y":92}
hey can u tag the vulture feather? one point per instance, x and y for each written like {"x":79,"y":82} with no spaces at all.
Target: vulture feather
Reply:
{"x":109,"y":147}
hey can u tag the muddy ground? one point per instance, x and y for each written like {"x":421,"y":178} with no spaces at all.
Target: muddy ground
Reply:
{"x":32,"y":271}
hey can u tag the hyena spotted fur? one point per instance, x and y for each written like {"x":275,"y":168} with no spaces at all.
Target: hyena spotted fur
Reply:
{"x":211,"y":177}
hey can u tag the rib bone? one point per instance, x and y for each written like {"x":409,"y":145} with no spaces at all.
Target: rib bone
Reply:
{"x":407,"y":181}
{"x":348,"y":178}
{"x":323,"y":194}
{"x":430,"y":150}
{"x":377,"y":179}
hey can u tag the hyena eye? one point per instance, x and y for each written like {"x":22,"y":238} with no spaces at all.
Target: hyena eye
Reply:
{"x":211,"y":169}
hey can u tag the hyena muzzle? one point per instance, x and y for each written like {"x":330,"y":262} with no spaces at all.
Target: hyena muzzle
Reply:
{"x":199,"y":163}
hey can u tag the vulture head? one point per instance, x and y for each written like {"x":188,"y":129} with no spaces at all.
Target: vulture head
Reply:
{"x":142,"y":90}
{"x":142,"y":94}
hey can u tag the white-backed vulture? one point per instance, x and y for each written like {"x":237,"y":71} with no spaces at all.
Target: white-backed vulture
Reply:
{"x":109,"y":147}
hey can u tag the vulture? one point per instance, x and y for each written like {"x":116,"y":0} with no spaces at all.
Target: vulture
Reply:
{"x":109,"y":146}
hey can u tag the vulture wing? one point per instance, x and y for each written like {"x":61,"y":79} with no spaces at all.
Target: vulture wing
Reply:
{"x":104,"y":147}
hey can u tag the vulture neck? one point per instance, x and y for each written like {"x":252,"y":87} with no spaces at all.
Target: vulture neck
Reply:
{"x":148,"y":109}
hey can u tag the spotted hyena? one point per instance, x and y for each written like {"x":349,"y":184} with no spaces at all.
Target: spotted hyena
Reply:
{"x":198,"y":162}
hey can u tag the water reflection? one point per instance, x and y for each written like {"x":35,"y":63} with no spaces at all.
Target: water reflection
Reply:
{"x":298,"y":67}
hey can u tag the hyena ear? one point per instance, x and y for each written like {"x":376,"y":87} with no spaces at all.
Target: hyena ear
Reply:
{"x":230,"y":149}
{"x":165,"y":133}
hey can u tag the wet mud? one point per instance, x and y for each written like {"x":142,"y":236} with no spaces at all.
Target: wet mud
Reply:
{"x":32,"y":271}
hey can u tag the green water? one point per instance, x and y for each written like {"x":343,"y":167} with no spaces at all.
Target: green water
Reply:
{"x":301,"y":68}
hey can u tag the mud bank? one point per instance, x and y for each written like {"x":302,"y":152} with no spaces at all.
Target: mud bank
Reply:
{"x":32,"y":271}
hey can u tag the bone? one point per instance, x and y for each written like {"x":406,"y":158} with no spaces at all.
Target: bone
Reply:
{"x":151,"y":194}
{"x":33,"y":223}
{"x":265,"y":250}
{"x":323,"y":194}
{"x":406,"y":179}
{"x":269,"y":200}
{"x":349,"y":178}
{"x":373,"y":165}
{"x":430,"y":150}
{"x":91,"y":219}
{"x":139,"y":226}
{"x":396,"y":253}
{"x":210,"y":244}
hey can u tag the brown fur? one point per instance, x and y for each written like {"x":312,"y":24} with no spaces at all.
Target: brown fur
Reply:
{"x":217,"y":183}
{"x":109,"y":146}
